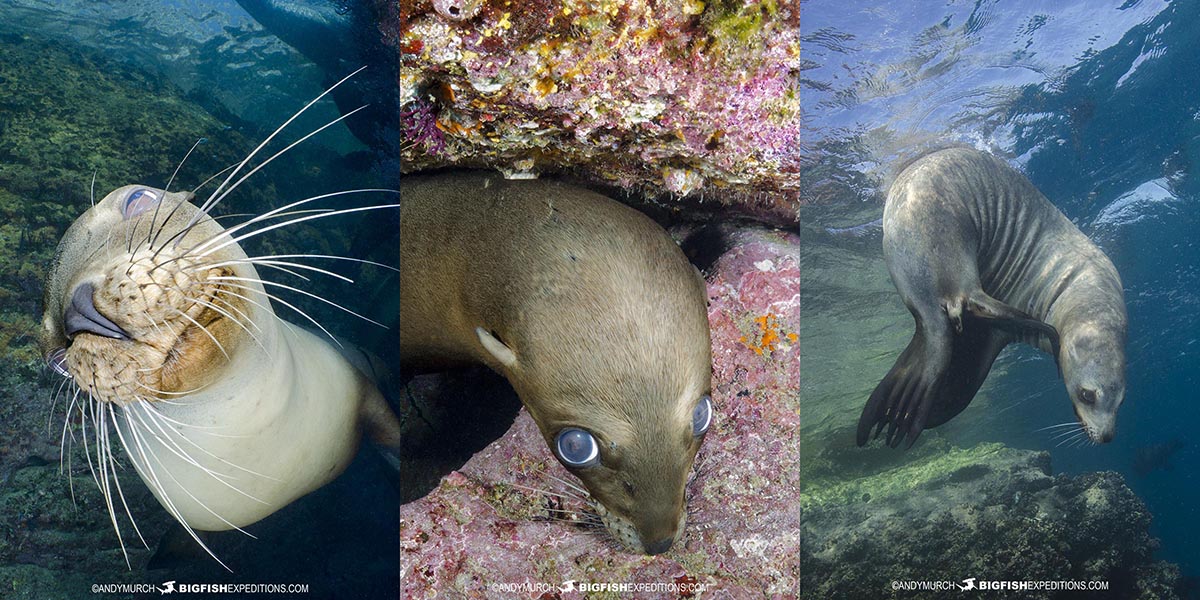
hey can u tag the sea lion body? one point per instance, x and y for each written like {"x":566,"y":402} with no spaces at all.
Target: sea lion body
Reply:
{"x":982,"y":259}
{"x":587,"y":307}
{"x":226,"y":412}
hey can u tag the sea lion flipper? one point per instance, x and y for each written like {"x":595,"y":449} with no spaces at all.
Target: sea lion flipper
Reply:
{"x":904,"y":398}
{"x":980,"y":305}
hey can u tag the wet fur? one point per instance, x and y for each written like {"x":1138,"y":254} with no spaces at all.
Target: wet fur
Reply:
{"x":602,"y":311}
{"x":982,"y":259}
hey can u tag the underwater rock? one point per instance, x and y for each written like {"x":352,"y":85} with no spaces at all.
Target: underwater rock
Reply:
{"x":989,"y":512}
{"x":482,"y":525}
{"x":684,"y":102}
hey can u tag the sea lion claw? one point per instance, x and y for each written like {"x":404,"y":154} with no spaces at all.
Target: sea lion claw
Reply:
{"x":905,"y":397}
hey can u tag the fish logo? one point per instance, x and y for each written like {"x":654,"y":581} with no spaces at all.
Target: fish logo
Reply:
{"x":967,"y":584}
{"x":567,"y":586}
{"x":168,"y":587}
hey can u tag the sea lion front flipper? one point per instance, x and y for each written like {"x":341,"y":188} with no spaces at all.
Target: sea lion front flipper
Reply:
{"x":982,"y":306}
{"x":904,"y":398}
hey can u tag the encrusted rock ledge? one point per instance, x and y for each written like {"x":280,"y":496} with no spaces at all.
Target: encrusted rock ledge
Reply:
{"x":989,"y":512}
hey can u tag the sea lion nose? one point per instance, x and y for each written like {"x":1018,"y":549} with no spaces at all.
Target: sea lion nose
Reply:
{"x":82,"y":317}
{"x":659,"y":547}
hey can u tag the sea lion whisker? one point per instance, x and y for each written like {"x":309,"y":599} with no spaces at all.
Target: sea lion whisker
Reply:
{"x":193,"y":300}
{"x":1063,"y":433}
{"x":225,"y":290}
{"x":174,"y":447}
{"x":184,"y":489}
{"x":298,"y":291}
{"x":88,"y":414}
{"x":212,"y":337}
{"x":92,"y":194}
{"x":103,"y":457}
{"x":117,"y":479}
{"x":204,"y":208}
{"x":1066,"y":424}
{"x":253,"y":217}
{"x":237,"y":321}
{"x":271,"y":214}
{"x":1073,"y":437}
{"x":276,"y":265}
{"x":548,"y":492}
{"x":153,"y":233}
{"x":573,"y":486}
{"x":213,"y":176}
{"x":66,"y":441}
{"x":205,"y":251}
{"x":268,"y":161}
{"x":54,"y":404}
{"x":167,"y":188}
{"x":166,"y":393}
{"x":287,"y":304}
{"x":205,"y":429}
{"x":324,"y":256}
{"x":154,"y":482}
{"x":154,"y":415}
{"x":245,"y":318}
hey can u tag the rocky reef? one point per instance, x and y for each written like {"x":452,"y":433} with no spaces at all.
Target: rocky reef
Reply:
{"x":484,"y":525}
{"x":988,"y":512}
{"x":692,"y":105}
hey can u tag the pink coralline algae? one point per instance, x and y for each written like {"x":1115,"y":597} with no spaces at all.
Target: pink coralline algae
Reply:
{"x":681,"y":102}
{"x":483,"y":532}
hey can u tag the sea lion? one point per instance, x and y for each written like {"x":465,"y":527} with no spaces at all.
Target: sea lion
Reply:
{"x":591,"y":312}
{"x":226,"y":412}
{"x":982,"y":259}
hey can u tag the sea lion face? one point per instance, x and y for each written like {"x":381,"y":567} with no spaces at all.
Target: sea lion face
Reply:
{"x":129,"y":313}
{"x":1093,"y":368}
{"x":627,"y":422}
{"x":636,"y":473}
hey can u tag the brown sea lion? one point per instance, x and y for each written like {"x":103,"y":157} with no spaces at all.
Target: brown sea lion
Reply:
{"x":982,"y":259}
{"x":591,"y":312}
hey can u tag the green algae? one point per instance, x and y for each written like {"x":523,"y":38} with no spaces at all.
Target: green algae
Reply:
{"x":740,"y":23}
{"x":935,"y":462}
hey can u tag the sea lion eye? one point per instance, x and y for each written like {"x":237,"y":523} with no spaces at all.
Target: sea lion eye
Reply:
{"x":577,"y":448}
{"x":1087,"y":396}
{"x":139,"y":201}
{"x":57,"y":361}
{"x":702,"y":416}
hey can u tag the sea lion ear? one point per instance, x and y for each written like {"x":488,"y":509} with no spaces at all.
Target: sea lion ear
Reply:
{"x":496,"y":348}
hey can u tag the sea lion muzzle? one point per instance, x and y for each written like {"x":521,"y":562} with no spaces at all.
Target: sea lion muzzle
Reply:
{"x":81,"y":316}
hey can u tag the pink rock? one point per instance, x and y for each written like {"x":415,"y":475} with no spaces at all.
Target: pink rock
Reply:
{"x":684,"y":102}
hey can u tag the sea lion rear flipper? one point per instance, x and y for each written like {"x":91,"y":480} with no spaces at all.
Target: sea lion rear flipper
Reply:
{"x":982,"y":306}
{"x":975,"y":349}
{"x":904,"y":398}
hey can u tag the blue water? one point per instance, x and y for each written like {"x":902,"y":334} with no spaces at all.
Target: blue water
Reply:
{"x":1099,"y":104}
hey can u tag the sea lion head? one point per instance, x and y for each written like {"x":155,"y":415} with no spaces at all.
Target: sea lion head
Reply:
{"x":1092,"y":357}
{"x":134,"y":307}
{"x":617,"y":373}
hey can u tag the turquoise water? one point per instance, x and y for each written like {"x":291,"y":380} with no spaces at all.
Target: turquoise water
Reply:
{"x":1098,"y":103}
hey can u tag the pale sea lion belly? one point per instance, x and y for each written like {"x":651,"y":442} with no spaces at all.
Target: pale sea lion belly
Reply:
{"x":982,"y":259}
{"x":591,"y":312}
